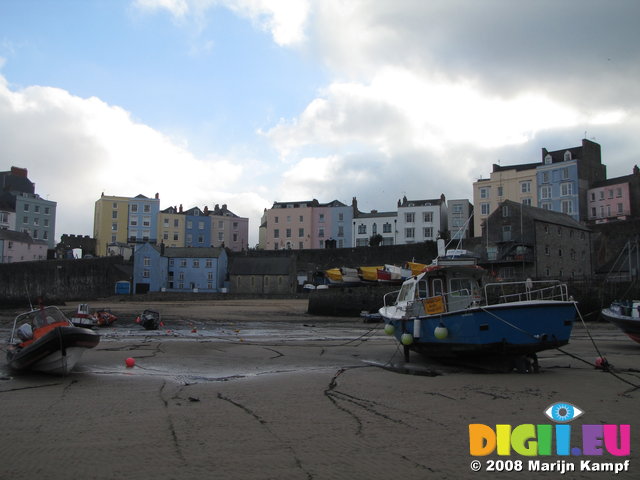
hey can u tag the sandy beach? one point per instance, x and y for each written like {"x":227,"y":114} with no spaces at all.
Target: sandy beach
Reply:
{"x":259,"y":389}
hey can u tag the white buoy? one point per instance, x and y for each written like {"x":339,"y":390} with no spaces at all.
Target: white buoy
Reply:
{"x":406,"y":339}
{"x":389,"y":329}
{"x":441,"y":332}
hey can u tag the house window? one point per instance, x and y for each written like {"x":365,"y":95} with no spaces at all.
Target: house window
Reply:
{"x":619,"y":208}
{"x":547,"y":250}
{"x":567,"y":156}
{"x":134,"y":208}
{"x":409,"y":232}
{"x":506,"y":233}
{"x":147,"y":261}
{"x":362,"y":229}
{"x":567,"y":207}
{"x":618,"y":192}
{"x":386,"y":228}
{"x":500,"y":191}
{"x":484,"y":193}
{"x":545,"y":177}
{"x":545,"y":192}
{"x":428,"y":232}
{"x":565,"y":173}
{"x":526,"y":201}
{"x":196,"y":264}
{"x":321,"y":232}
{"x":145,"y":273}
{"x":484,"y":208}
{"x":301,"y":232}
{"x":525,"y":187}
{"x":288,"y":233}
{"x":409,"y":217}
{"x":183,"y":262}
{"x":505,"y":210}
{"x":321,"y":217}
{"x":548,"y":159}
{"x":427,"y":217}
{"x":276,"y":233}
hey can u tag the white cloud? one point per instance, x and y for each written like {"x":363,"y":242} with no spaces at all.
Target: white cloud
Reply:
{"x":177,"y":8}
{"x":76,"y":148}
{"x":285,"y":20}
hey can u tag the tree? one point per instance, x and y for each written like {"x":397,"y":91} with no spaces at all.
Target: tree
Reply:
{"x":375,"y":240}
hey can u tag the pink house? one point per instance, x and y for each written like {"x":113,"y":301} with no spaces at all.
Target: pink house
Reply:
{"x":615,"y":198}
{"x":20,"y":247}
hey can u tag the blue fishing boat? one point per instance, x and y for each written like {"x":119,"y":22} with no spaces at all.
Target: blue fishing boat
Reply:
{"x":449,"y":311}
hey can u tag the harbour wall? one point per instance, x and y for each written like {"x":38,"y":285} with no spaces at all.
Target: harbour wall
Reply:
{"x":57,"y":281}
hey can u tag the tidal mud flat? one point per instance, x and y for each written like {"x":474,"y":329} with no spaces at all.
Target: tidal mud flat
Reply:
{"x":260,"y":389}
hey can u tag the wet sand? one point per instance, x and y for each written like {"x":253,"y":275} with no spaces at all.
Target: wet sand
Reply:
{"x":261,"y":390}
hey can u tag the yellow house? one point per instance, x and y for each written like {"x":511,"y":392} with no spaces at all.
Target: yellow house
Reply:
{"x":110,"y":222}
{"x":514,"y":182}
{"x":171,"y":230}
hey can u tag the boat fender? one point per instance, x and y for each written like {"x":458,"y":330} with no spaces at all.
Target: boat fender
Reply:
{"x":25,"y":332}
{"x":406,"y":339}
{"x":441,"y":332}
{"x":389,"y":329}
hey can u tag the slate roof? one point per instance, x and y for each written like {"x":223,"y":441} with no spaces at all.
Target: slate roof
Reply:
{"x":191,"y":252}
{"x":21,"y":237}
{"x":260,"y":265}
{"x":543,"y":215}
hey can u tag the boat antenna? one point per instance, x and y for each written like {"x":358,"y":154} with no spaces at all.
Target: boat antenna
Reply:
{"x":26,"y":287}
{"x":460,"y":231}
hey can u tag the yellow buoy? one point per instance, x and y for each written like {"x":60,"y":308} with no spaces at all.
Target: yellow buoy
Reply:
{"x":406,"y":339}
{"x":441,"y":332}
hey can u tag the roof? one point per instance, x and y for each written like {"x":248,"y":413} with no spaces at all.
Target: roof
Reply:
{"x":544,"y":215}
{"x":191,"y":252}
{"x":518,"y":168}
{"x":19,"y":237}
{"x":376,"y":214}
{"x":260,"y":265}
{"x":302,"y":204}
{"x":616,"y":181}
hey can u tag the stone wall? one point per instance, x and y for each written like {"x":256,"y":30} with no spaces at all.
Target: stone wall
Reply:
{"x":60,"y":280}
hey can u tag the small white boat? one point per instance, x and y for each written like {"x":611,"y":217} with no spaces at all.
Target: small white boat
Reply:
{"x":626,"y":316}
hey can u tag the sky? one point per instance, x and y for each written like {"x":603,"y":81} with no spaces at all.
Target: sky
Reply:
{"x":251,"y":102}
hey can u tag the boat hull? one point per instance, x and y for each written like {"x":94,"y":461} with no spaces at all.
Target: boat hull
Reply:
{"x":56,"y":352}
{"x":519,"y":328}
{"x":629,"y":325}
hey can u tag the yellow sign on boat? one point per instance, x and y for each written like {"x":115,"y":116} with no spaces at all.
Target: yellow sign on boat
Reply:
{"x":434,"y":305}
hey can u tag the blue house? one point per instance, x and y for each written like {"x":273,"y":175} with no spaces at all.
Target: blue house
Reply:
{"x":142,"y":223}
{"x":179,"y":269}
{"x":197,"y":228}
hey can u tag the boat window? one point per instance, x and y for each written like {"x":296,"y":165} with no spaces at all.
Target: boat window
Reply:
{"x":423,"y":291}
{"x":438,"y":287}
{"x":407,"y":292}
{"x":460,"y":284}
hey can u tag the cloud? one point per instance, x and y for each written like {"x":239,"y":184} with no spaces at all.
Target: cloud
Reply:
{"x":75,"y":148}
{"x":418,"y":85}
{"x":284,"y":19}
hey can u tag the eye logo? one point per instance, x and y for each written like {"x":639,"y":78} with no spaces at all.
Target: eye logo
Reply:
{"x":563,"y":412}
